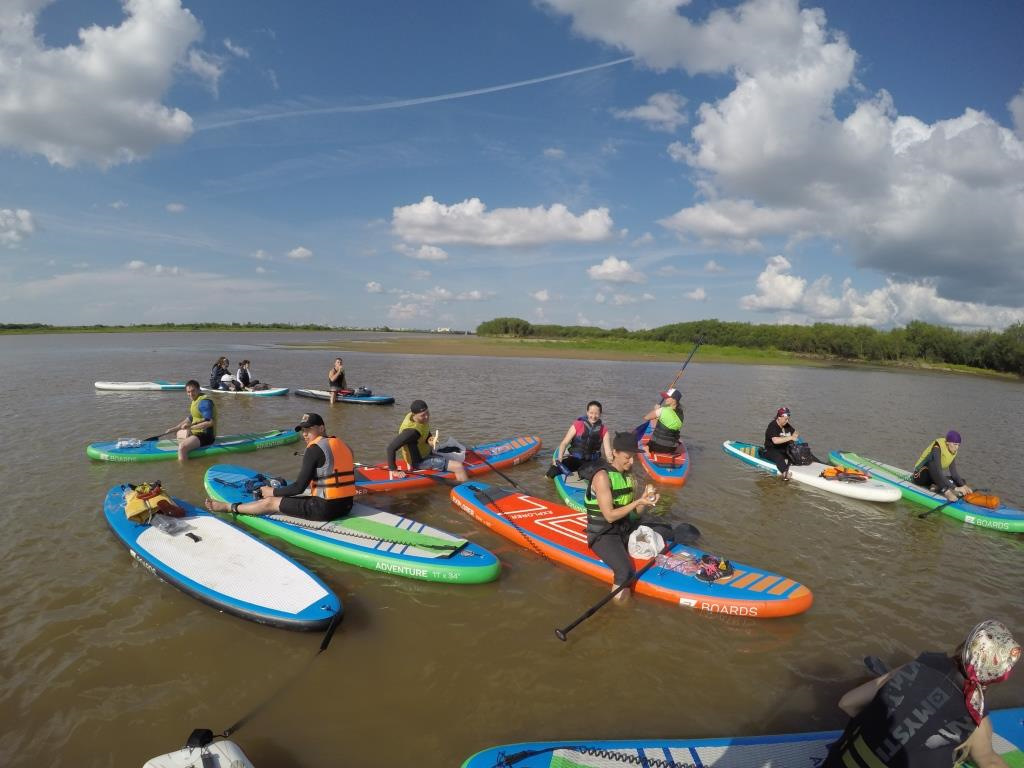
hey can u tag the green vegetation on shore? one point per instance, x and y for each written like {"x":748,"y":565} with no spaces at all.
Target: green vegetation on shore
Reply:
{"x":918,"y":344}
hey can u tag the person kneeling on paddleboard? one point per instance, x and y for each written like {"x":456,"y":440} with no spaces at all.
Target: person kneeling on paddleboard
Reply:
{"x":930,"y":712}
{"x":586,"y":441}
{"x":336,"y":379}
{"x":328,"y":471}
{"x":779,"y":435}
{"x":612,"y":510}
{"x":668,"y":421}
{"x":417,"y":446}
{"x":936,"y":467}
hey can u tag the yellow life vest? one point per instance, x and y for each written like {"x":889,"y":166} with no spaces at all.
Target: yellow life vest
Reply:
{"x":421,"y":445}
{"x":945,"y":458}
{"x":193,"y":410}
{"x":146,"y":499}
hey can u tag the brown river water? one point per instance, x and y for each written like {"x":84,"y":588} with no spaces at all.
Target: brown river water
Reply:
{"x":103,"y":665}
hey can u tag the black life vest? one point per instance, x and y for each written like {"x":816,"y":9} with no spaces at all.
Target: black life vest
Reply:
{"x":586,"y":444}
{"x":916,"y":719}
{"x":664,"y":435}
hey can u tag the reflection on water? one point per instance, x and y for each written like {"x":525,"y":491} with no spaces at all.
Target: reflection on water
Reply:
{"x":104,"y":665}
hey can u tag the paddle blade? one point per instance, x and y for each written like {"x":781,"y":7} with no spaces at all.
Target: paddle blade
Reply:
{"x":638,"y":431}
{"x":154,"y":437}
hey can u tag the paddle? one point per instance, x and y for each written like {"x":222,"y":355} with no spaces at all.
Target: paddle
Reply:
{"x":684,"y":533}
{"x":875,"y":666}
{"x":157,"y":437}
{"x":422,"y":473}
{"x":641,"y":428}
{"x":499,"y":472}
{"x":947,"y":503}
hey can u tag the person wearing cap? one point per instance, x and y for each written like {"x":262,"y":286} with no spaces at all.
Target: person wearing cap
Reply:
{"x":779,"y":435}
{"x":612,"y":508}
{"x":668,"y":421}
{"x":586,"y":442}
{"x":199,"y":428}
{"x":930,"y":712}
{"x":417,"y":446}
{"x":936,"y":467}
{"x":336,"y":379}
{"x":328,"y":472}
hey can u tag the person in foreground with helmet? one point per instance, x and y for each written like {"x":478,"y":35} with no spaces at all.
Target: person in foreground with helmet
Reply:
{"x":328,"y":472}
{"x":417,"y":446}
{"x":930,"y":712}
{"x":936,"y":467}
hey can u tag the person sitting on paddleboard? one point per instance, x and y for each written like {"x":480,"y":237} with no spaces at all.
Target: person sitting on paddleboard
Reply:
{"x":779,"y":435}
{"x":199,"y":428}
{"x":936,"y":467}
{"x":612,"y":510}
{"x":586,"y":441}
{"x":218,"y":372}
{"x":416,"y":444}
{"x":244,"y":378}
{"x":336,"y":379}
{"x":328,"y":472}
{"x":930,"y":712}
{"x":669,"y":422}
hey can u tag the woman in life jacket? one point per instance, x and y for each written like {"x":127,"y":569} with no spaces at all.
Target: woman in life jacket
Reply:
{"x":936,"y":467}
{"x":219,"y":370}
{"x":930,"y":712}
{"x":612,"y":508}
{"x":668,"y":421}
{"x":586,"y":441}
{"x":324,"y":489}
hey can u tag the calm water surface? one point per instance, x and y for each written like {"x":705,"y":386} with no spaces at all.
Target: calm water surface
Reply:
{"x":103,"y":665}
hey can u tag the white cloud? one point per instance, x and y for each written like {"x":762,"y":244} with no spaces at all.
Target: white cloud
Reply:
{"x":207,"y":67}
{"x":600,"y":298}
{"x":300,"y":253}
{"x":713,"y":266}
{"x":541,"y":295}
{"x":135,"y":264}
{"x":897,"y":303}
{"x":773,"y":158}
{"x":555,"y":153}
{"x":423,"y":253}
{"x":471,"y":222}
{"x":645,"y":239}
{"x":697,"y":294}
{"x":260,"y":255}
{"x":420,"y":274}
{"x":660,"y":113}
{"x":261,"y":270}
{"x":99,"y":101}
{"x":474,"y":295}
{"x":622,"y":299}
{"x":236,"y":50}
{"x":175,"y":207}
{"x":374,"y":287}
{"x":117,"y":205}
{"x":615,"y":270}
{"x":15,"y":225}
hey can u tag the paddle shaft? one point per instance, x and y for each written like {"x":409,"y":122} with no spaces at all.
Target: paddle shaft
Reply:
{"x":562,"y":634}
{"x":945,"y":504}
{"x":700,"y":340}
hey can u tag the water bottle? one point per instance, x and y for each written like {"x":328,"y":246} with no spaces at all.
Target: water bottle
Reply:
{"x":128,"y":442}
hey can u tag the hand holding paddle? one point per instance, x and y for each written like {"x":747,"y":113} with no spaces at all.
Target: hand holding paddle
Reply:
{"x":959,"y":496}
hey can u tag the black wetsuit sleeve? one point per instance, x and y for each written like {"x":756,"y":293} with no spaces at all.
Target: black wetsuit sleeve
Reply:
{"x":955,"y":474}
{"x":313,"y":458}
{"x":406,"y":438}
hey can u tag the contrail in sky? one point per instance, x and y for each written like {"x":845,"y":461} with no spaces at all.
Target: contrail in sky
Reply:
{"x":406,"y":102}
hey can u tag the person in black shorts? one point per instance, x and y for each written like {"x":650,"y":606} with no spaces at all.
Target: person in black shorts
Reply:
{"x":779,"y":435}
{"x":328,"y":471}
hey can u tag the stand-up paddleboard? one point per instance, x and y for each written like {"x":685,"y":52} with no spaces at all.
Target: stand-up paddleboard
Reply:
{"x":366,"y":537}
{"x":1003,"y":518}
{"x":270,"y":392}
{"x":166,"y":449}
{"x":224,"y":566}
{"x":668,"y":468}
{"x":217,"y":754}
{"x":479,"y":459}
{"x":559,"y":533}
{"x":814,"y":474}
{"x":785,"y":751}
{"x":141,"y":386}
{"x":346,"y":396}
{"x":571,"y":489}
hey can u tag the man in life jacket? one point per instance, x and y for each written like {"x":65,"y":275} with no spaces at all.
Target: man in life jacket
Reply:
{"x":199,"y":428}
{"x":778,"y":437}
{"x":586,"y":441}
{"x":613,"y":507}
{"x":417,"y":446}
{"x":328,"y":472}
{"x":668,"y":421}
{"x":336,"y":379}
{"x":936,"y":467}
{"x":930,"y":712}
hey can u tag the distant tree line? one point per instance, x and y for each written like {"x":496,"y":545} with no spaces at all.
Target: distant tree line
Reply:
{"x":997,"y":351}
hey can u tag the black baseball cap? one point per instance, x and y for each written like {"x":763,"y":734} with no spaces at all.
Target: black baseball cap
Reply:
{"x":310,"y":420}
{"x":625,"y":442}
{"x":418,"y":406}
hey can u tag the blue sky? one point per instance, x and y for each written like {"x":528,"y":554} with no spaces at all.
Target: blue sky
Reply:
{"x":600,"y":162}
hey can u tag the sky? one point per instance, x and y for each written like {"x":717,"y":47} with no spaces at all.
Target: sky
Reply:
{"x":581,"y":162}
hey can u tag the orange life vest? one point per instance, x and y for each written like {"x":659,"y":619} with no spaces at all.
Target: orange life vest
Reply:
{"x":336,"y":479}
